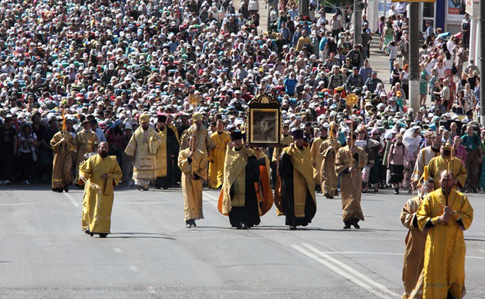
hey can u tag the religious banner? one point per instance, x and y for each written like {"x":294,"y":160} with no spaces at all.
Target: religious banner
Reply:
{"x":264,"y":121}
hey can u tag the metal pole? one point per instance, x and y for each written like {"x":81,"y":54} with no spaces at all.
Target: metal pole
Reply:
{"x":304,"y":8}
{"x":414,"y":76}
{"x":358,"y":6}
{"x":482,"y":61}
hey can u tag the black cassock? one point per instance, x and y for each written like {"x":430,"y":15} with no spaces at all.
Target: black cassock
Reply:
{"x":172,"y":149}
{"x":249,"y":214}
{"x":286,"y":174}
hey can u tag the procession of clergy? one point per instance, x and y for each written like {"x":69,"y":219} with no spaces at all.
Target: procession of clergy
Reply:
{"x":435,"y":248}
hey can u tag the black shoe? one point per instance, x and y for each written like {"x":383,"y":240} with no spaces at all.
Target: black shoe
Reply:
{"x":103,"y":235}
{"x":475,"y":191}
{"x":91,"y":234}
{"x":244,"y":226}
{"x":292,"y":227}
{"x":188,"y":225}
{"x":328,"y":196}
{"x":239,"y":226}
{"x":347,"y":224}
{"x":86,"y":231}
{"x":396,"y":191}
{"x":145,"y":189}
{"x":194,"y":224}
{"x":66,"y":188}
{"x":355,"y":223}
{"x":139,"y":187}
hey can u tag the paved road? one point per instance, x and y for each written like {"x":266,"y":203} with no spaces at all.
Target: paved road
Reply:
{"x":150,"y":253}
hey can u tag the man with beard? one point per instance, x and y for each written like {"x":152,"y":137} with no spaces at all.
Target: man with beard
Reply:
{"x":204,"y":142}
{"x":447,"y":161}
{"x":193,"y":163}
{"x":239,"y":194}
{"x":328,"y":176}
{"x":348,"y":164}
{"x":143,"y":146}
{"x":297,"y":183}
{"x":444,"y":214}
{"x":425,"y":155}
{"x":100,"y":173}
{"x":63,"y":146}
{"x":168,"y":147}
{"x":216,"y":168}
{"x":85,"y":142}
{"x":415,"y":242}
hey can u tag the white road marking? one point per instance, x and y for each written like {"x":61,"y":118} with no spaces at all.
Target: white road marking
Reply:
{"x":343,"y":270}
{"x":73,"y":201}
{"x":133,"y":268}
{"x":387,"y":253}
{"x":151,"y":290}
{"x":117,"y":250}
{"x":351,"y":270}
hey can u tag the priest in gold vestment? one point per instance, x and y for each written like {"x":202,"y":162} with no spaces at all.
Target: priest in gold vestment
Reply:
{"x":328,"y":177}
{"x":440,"y":163}
{"x":62,"y":144}
{"x":297,"y":183}
{"x":100,"y":173}
{"x":315,"y":153}
{"x":444,"y":214}
{"x":193,"y":164}
{"x":86,"y":141}
{"x":168,"y":147}
{"x":143,"y":146}
{"x":349,"y":162}
{"x":197,"y":129}
{"x":239,"y":195}
{"x":217,"y":155}
{"x":415,"y":242}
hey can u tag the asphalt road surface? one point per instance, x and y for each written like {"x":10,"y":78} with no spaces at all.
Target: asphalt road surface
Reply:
{"x":150,"y":253}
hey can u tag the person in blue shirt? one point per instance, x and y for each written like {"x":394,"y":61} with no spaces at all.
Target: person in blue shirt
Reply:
{"x":471,"y":141}
{"x":290,"y":84}
{"x":322,"y":47}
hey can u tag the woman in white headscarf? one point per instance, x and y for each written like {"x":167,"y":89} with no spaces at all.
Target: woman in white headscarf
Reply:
{"x":411,"y":140}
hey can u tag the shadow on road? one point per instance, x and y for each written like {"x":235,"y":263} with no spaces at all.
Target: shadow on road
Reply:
{"x":133,"y":235}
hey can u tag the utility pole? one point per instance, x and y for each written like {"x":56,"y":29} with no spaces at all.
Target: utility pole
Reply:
{"x":304,"y":7}
{"x":358,"y":7}
{"x":414,"y":75}
{"x":482,"y":60}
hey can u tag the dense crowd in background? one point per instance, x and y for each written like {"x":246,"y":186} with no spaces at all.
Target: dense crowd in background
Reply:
{"x":100,"y":65}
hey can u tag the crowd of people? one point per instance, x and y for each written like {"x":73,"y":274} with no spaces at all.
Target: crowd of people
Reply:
{"x":163,"y":86}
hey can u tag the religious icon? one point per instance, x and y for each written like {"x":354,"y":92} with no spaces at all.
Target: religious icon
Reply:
{"x":264,"y":122}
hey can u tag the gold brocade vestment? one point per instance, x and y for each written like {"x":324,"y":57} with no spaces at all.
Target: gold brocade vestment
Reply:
{"x":328,"y":177}
{"x":414,"y":250}
{"x":62,"y":163}
{"x":351,"y":182}
{"x":438,"y":164}
{"x":99,"y":193}
{"x":303,"y":180}
{"x":85,"y":142}
{"x":444,"y":258}
{"x":194,"y":172}
{"x":316,"y":158}
{"x":217,"y":157}
{"x":143,"y":145}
